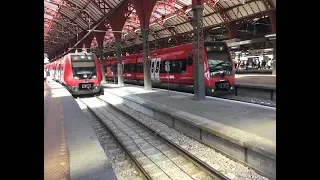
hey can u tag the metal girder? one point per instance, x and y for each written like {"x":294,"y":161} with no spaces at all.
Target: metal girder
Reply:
{"x":101,"y":21}
{"x":169,"y":5}
{"x":132,"y":21}
{"x":65,"y":20}
{"x":268,"y":3}
{"x":206,"y":28}
{"x":79,"y":14}
{"x":49,"y":12}
{"x":103,"y":6}
{"x":71,"y":25}
{"x":52,"y":6}
{"x":63,"y":30}
{"x":222,"y":10}
{"x":219,"y":9}
{"x":84,"y":14}
{"x":117,"y":20}
{"x":130,"y":9}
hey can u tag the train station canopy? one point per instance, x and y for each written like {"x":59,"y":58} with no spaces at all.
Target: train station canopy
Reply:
{"x":67,"y":21}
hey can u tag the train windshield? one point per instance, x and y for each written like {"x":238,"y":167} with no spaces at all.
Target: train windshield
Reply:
{"x":218,"y":60}
{"x":83,"y":69}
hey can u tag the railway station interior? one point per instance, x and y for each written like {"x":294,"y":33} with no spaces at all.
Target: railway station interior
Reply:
{"x":159,"y":89}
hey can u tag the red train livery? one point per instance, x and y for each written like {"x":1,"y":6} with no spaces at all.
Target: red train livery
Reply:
{"x":79,"y":72}
{"x":218,"y":68}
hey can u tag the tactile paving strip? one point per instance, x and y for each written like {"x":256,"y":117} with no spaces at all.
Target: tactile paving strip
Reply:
{"x":56,"y":155}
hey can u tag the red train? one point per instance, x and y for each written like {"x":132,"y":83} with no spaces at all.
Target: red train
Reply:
{"x":218,"y":68}
{"x":80,"y":72}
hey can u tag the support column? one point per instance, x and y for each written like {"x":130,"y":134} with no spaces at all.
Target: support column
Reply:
{"x":103,"y":69}
{"x":120,"y":69}
{"x":99,"y":38}
{"x":198,"y":53}
{"x":87,"y":41}
{"x":272,"y":17}
{"x":146,"y":62}
{"x":72,"y":43}
{"x":274,"y":58}
{"x":144,"y":9}
{"x":233,"y":29}
{"x":117,"y":21}
{"x":80,"y":45}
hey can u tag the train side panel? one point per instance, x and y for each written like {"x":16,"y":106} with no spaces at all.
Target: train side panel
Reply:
{"x":217,"y":76}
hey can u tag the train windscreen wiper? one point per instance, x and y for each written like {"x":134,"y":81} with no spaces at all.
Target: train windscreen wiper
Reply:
{"x":91,"y":73}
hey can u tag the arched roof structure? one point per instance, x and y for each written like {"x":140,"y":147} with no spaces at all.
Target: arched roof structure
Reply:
{"x":67,"y":21}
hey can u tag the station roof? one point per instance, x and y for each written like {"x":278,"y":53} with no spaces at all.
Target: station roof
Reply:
{"x":64,"y":19}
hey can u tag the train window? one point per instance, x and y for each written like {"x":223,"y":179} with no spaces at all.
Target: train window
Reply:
{"x":131,"y":68}
{"x":183,"y":65}
{"x":157,"y":66}
{"x":190,"y":60}
{"x":162,"y":67}
{"x":139,"y":68}
{"x":176,"y":66}
{"x":152,"y":66}
{"x":114,"y":68}
{"x":126,"y":68}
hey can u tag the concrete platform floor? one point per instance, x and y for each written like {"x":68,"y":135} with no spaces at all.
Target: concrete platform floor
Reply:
{"x":256,"y":79}
{"x":71,"y":147}
{"x":256,"y":119}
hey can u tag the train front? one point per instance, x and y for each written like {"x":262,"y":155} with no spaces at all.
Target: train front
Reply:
{"x":85,"y":75}
{"x":219,"y":69}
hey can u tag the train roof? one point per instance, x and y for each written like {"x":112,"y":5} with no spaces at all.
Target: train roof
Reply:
{"x":81,"y":53}
{"x":174,"y":48}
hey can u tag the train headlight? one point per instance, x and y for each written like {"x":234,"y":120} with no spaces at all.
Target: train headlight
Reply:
{"x":93,"y":77}
{"x":76,"y":77}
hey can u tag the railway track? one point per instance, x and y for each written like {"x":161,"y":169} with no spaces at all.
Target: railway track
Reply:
{"x":224,"y":163}
{"x":154,"y":155}
{"x":124,"y":167}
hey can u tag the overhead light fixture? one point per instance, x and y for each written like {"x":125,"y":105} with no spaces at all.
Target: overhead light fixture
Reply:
{"x":270,"y":35}
{"x":216,"y":28}
{"x":268,"y":49}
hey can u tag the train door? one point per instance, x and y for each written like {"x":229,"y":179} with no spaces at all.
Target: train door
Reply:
{"x":155,"y":70}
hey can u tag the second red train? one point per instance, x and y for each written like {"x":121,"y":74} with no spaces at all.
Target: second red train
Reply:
{"x":219,"y":73}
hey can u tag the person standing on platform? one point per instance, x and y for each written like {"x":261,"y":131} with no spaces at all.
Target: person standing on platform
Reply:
{"x":45,"y":78}
{"x":48,"y":76}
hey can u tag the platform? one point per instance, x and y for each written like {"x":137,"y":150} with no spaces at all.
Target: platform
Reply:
{"x":256,"y":79}
{"x":245,"y":131}
{"x":71,"y":148}
{"x":256,"y":119}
